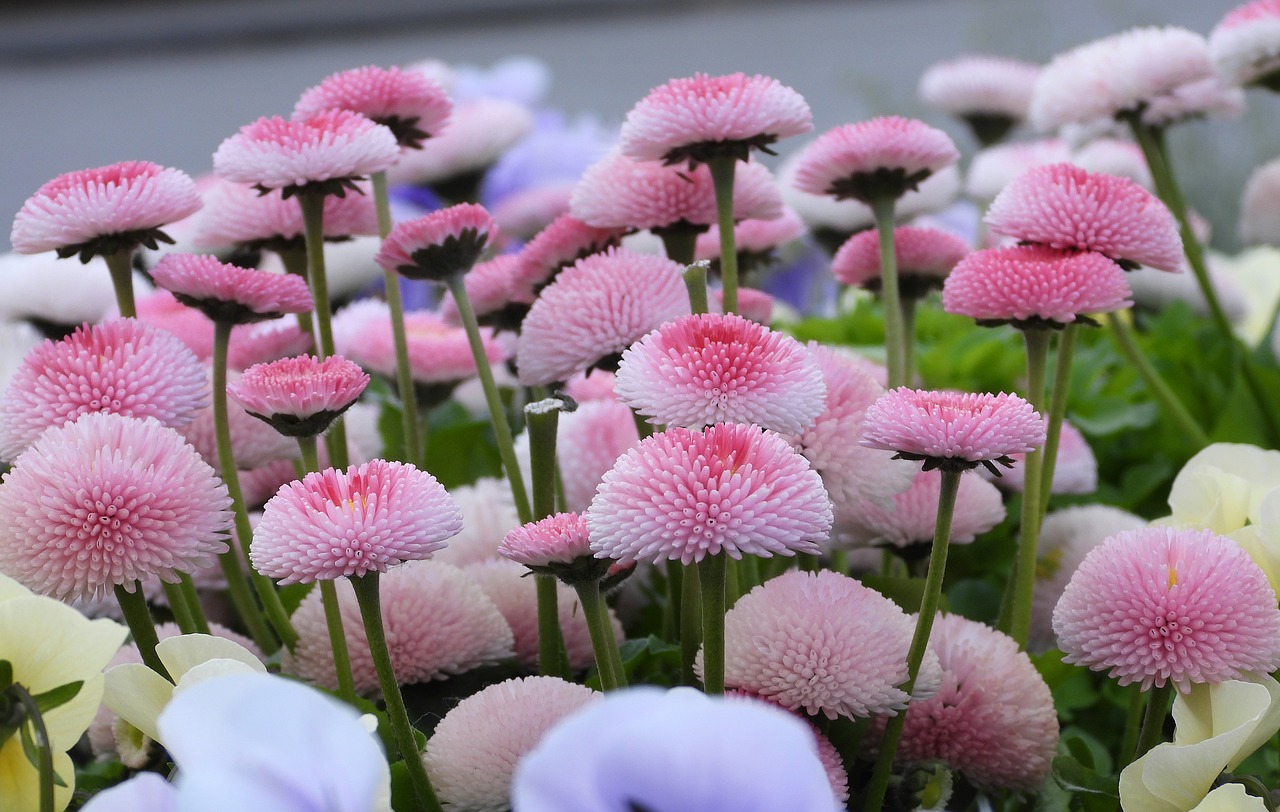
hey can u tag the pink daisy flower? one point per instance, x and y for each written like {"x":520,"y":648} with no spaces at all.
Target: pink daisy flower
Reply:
{"x":1260,"y":206}
{"x":953,"y":429}
{"x":326,"y":152}
{"x":107,"y":501}
{"x":412,"y":106}
{"x":885,"y":156}
{"x":491,"y":288}
{"x":707,"y":368}
{"x":991,"y":93}
{"x":439,"y":353}
{"x":692,"y":120}
{"x":824,"y":643}
{"x":253,"y":442}
{"x":589,"y":442}
{"x":992,"y":719}
{"x":366,"y":519}
{"x":730,"y":489}
{"x":1066,"y":207}
{"x":556,"y":247}
{"x":753,"y":305}
{"x":488,"y":513}
{"x":588,"y":386}
{"x":439,"y":245}
{"x":1169,"y":605}
{"x":478,"y":133}
{"x":299,"y":397}
{"x":924,"y":257}
{"x":596,"y":309}
{"x":1245,"y":45}
{"x":559,"y":539}
{"x":1034,"y":286}
{"x":229,"y":293}
{"x":161,"y":309}
{"x":266,"y":341}
{"x":238,"y":216}
{"x":466,"y":630}
{"x":104,"y":211}
{"x":910,"y":518}
{"x":1076,"y":470}
{"x":122,"y":366}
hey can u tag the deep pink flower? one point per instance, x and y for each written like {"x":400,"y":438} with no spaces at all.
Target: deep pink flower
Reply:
{"x":328,"y":151}
{"x":266,"y":341}
{"x":123,"y":366}
{"x":1032,"y":285}
{"x":596,"y":309}
{"x":106,"y":501}
{"x":731,"y":489}
{"x":301,"y":396}
{"x":237,"y":215}
{"x":910,"y":518}
{"x":883,"y":157}
{"x":589,"y":442}
{"x":104,"y":211}
{"x":924,"y":257}
{"x":1066,"y":207}
{"x":366,"y":519}
{"x":690,"y":120}
{"x":958,"y":429}
{"x":993,"y":718}
{"x":991,"y":93}
{"x":229,"y":293}
{"x":556,"y":247}
{"x":707,"y":368}
{"x":439,"y":245}
{"x":478,"y":133}
{"x":1245,"y":45}
{"x":1164,"y":604}
{"x":824,"y":643}
{"x":412,"y":106}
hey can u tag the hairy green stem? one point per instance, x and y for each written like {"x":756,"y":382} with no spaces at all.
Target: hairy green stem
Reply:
{"x":711,"y":576}
{"x":312,"y":204}
{"x":543,"y":420}
{"x":180,"y":608}
{"x":894,"y":335}
{"x":695,"y":279}
{"x":1057,"y":409}
{"x":1153,"y":720}
{"x":608,"y":660}
{"x":722,"y":169}
{"x":120,"y":264}
{"x":1024,"y":569}
{"x":138,"y":618}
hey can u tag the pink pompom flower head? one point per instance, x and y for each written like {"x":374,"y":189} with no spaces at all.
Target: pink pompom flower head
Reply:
{"x":235,"y":216}
{"x":695,"y":119}
{"x":228,"y":293}
{"x":408,"y":103}
{"x":882,"y":158}
{"x":440,"y":245}
{"x":557,"y":545}
{"x":924,"y":258}
{"x":349,"y":523}
{"x":104,"y":211}
{"x":562,"y":243}
{"x":953,"y":431}
{"x":1245,"y":45}
{"x":302,"y":396}
{"x":1165,"y":604}
{"x":990,"y":93}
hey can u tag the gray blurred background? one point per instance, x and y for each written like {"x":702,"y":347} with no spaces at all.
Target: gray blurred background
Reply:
{"x":86,"y":85}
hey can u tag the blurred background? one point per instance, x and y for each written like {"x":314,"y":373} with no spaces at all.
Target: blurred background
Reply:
{"x":88,"y":84}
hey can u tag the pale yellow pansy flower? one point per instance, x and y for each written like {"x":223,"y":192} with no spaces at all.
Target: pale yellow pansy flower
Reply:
{"x":1231,"y":798}
{"x":1217,"y":727}
{"x":49,"y":644}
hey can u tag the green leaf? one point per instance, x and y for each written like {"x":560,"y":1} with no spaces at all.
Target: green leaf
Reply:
{"x":96,"y":776}
{"x":650,"y":660}
{"x":57,"y":697}
{"x":403,"y":798}
{"x":1086,"y":749}
{"x":1073,"y":776}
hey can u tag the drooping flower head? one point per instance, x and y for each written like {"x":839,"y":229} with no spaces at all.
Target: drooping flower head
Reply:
{"x":695,"y":119}
{"x":953,"y":430}
{"x":237,"y":216}
{"x":1173,"y":605}
{"x":122,"y":366}
{"x":408,"y":103}
{"x":300,"y":396}
{"x":107,"y":501}
{"x":881,"y":158}
{"x":707,"y":368}
{"x":730,"y":489}
{"x":365,"y":519}
{"x":1245,"y":45}
{"x":924,"y":257}
{"x":562,"y":243}
{"x":103,"y":211}
{"x":229,"y":293}
{"x":990,"y":93}
{"x":440,"y":245}
{"x":1066,"y":207}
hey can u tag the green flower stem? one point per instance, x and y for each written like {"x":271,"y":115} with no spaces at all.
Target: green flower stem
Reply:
{"x":1153,"y":720}
{"x":1024,"y":569}
{"x":242,"y":599}
{"x":497,"y":414}
{"x":711,"y":571}
{"x":690,"y":620}
{"x":920,"y":640}
{"x":120,"y":264}
{"x":274,"y":609}
{"x":1133,"y":721}
{"x":312,"y":204}
{"x":180,"y":608}
{"x":909,"y":339}
{"x":366,"y":587}
{"x":193,"y":603}
{"x":1170,"y":402}
{"x":840,"y":561}
{"x":608,"y":660}
{"x":138,"y":617}
{"x":722,"y":168}
{"x":44,"y":747}
{"x":679,"y":243}
{"x":695,"y":279}
{"x":894,"y":335}
{"x":552,"y":660}
{"x":391,"y":283}
{"x":543,"y":420}
{"x":1057,"y":410}
{"x":295,"y":262}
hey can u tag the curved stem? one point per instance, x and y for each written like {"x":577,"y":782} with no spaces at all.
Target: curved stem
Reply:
{"x":120,"y":264}
{"x":44,"y":747}
{"x":1024,"y":570}
{"x":894,"y":337}
{"x":138,"y":617}
{"x":1057,"y":409}
{"x":404,"y":376}
{"x":1172,"y":405}
{"x":722,"y":168}
{"x":1153,"y":720}
{"x":711,"y":576}
{"x":608,"y":661}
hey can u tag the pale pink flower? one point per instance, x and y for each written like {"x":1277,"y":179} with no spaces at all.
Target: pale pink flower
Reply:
{"x":237,"y":215}
{"x":912,"y":515}
{"x":1199,"y":99}
{"x":883,"y":157}
{"x":755,"y":237}
{"x":589,"y":442}
{"x":924,"y":257}
{"x":1076,"y":470}
{"x":1245,"y":45}
{"x":690,"y":120}
{"x":753,"y":305}
{"x":991,"y":93}
{"x":1112,"y":156}
{"x":107,"y":501}
{"x":104,"y":211}
{"x":596,"y":384}
{"x":161,"y":309}
{"x":995,"y":166}
{"x":412,"y":106}
{"x":1260,"y":206}
{"x":558,"y":539}
{"x":439,"y":353}
{"x":300,"y":396}
{"x":490,"y":288}
{"x":596,"y":309}
{"x":562,"y":243}
{"x":476,"y":136}
{"x":1173,"y":605}
{"x":731,"y":489}
{"x":488,"y":513}
{"x":122,"y":366}
{"x":366,"y":519}
{"x":266,"y":341}
{"x":253,"y":442}
{"x":439,"y":245}
{"x":706,"y":368}
{"x":229,"y":293}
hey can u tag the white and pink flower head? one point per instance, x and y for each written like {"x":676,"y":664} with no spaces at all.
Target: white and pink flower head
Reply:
{"x":439,"y":246}
{"x":557,"y":545}
{"x":953,"y":430}
{"x":924,"y":256}
{"x":104,"y":211}
{"x":590,"y":440}
{"x":1065,"y":207}
{"x":1165,"y":604}
{"x":562,"y":243}
{"x":266,"y":341}
{"x":1245,"y":45}
{"x":236,"y":216}
{"x":406,"y":102}
{"x":707,"y":368}
{"x":881,"y":158}
{"x":440,"y":354}
{"x":490,"y":287}
{"x":348,"y":523}
{"x":300,"y":396}
{"x":907,"y":523}
{"x":731,"y":489}
{"x":228,"y":293}
{"x":990,"y":93}
{"x":692,"y":120}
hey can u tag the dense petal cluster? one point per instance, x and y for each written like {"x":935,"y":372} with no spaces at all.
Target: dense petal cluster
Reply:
{"x":558,"y":539}
{"x":266,"y":341}
{"x":440,"y":245}
{"x":589,"y":442}
{"x":981,"y":85}
{"x":911,"y":517}
{"x":476,"y":136}
{"x":236,"y":214}
{"x":1245,"y":45}
{"x":562,"y":243}
{"x":884,"y":156}
{"x":411,"y":105}
{"x":299,"y":396}
{"x":229,"y":293}
{"x":919,"y":251}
